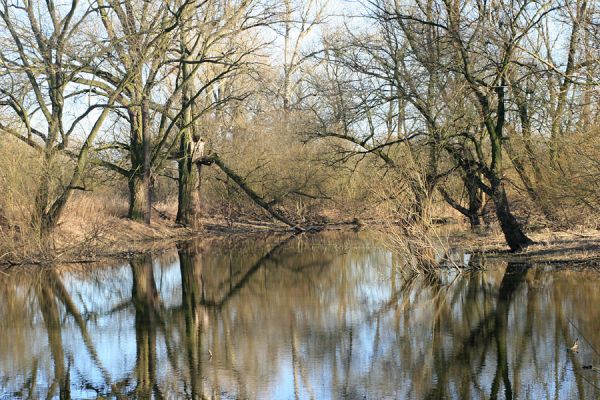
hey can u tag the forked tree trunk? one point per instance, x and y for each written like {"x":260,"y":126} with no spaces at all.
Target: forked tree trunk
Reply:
{"x":511,"y":228}
{"x":473,"y":210}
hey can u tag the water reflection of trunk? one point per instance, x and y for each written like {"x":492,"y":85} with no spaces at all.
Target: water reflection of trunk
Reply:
{"x":533,"y":304}
{"x":298,"y":365}
{"x":145,"y":300}
{"x":562,"y":329}
{"x":51,"y":316}
{"x":198,"y":307}
{"x":513,"y":277}
{"x":439,"y":357}
{"x":492,"y":328}
{"x":190,"y":264}
{"x":50,"y":293}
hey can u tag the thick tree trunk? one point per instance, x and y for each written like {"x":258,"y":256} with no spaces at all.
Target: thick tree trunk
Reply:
{"x":39,"y":220}
{"x":475,"y":201}
{"x":513,"y":232}
{"x":139,"y":198}
{"x":140,"y":204}
{"x":188,"y":206}
{"x":511,"y":228}
{"x":474,"y":221}
{"x":48,"y":209}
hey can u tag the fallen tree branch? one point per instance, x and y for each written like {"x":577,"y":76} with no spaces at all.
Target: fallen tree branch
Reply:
{"x":214,"y":158}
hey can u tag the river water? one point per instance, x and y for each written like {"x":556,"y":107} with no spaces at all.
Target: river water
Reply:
{"x":325,"y":316}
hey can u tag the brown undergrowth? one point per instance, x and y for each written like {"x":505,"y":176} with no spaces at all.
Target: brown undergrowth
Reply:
{"x":97,"y":227}
{"x":121,"y":238}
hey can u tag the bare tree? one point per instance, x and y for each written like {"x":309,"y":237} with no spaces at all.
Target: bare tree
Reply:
{"x":300,"y":21}
{"x":38,"y":74}
{"x":140,"y":35}
{"x":217,"y":42}
{"x":482,"y":47}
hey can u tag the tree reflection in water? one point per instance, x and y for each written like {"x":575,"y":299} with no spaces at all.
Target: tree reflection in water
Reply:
{"x":320,"y":316}
{"x":146,"y":302}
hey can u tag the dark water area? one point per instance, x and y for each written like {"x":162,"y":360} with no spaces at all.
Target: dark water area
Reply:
{"x":324,"y":316}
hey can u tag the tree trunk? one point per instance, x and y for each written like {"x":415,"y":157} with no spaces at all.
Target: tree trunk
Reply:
{"x":188,"y":205}
{"x":475,"y":201}
{"x":42,"y":197}
{"x":48,"y":209}
{"x":513,"y":232}
{"x":139,"y":200}
{"x":147,"y":160}
{"x":472,"y":212}
{"x":140,"y":204}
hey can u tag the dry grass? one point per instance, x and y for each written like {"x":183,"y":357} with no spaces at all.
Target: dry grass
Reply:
{"x":95,"y":226}
{"x":553,"y":247}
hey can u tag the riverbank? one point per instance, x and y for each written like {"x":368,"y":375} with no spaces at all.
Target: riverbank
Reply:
{"x":560,"y":248}
{"x":118,"y":237}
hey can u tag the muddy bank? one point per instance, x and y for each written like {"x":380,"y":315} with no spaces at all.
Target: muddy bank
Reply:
{"x":558,"y":248}
{"x":119,"y":238}
{"x":123,"y":238}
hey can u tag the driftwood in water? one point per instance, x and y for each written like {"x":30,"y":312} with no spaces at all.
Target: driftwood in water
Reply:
{"x":214,"y":158}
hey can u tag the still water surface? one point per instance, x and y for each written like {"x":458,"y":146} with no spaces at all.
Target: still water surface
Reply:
{"x":324,"y":316}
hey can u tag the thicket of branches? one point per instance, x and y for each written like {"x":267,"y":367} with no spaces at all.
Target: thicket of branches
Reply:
{"x":401,"y":110}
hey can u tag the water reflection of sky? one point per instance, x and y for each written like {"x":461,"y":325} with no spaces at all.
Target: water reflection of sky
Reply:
{"x":322,"y":317}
